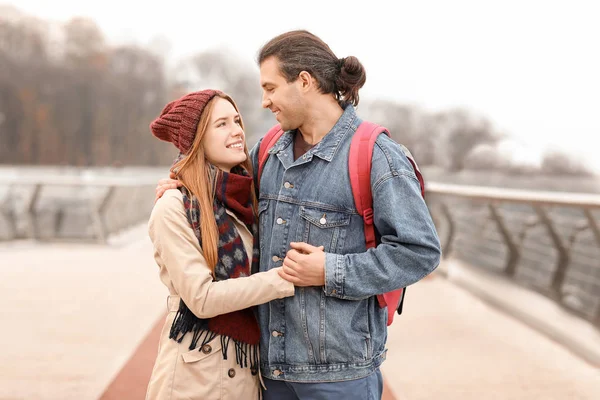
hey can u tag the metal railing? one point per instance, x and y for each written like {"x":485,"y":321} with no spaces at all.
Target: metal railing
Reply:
{"x":547,"y":241}
{"x":73,"y":207}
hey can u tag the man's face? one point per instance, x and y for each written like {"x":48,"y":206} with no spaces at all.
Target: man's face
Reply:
{"x":284,"y":99}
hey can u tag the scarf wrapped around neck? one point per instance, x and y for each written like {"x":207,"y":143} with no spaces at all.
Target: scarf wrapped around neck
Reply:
{"x":233,"y":192}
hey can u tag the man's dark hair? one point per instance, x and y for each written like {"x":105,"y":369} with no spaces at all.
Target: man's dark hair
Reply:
{"x":300,"y":50}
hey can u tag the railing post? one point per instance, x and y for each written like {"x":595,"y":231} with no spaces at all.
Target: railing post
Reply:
{"x":447,"y":245}
{"x":513,"y":251}
{"x":563,"y":254}
{"x":592,"y":224}
{"x":8,"y":216}
{"x":97,"y":213}
{"x":31,"y":214}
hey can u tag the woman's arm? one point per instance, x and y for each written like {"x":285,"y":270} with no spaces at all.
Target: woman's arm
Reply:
{"x":180,"y":253}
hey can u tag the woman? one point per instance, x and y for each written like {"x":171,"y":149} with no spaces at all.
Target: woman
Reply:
{"x":204,"y":236}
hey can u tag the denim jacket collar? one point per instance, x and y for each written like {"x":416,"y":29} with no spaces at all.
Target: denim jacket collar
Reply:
{"x":327,"y":147}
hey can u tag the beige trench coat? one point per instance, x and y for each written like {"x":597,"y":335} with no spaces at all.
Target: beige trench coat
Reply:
{"x":180,"y":373}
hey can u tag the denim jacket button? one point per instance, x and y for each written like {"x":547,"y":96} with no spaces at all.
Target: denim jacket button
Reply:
{"x":277,"y":372}
{"x":334,"y":291}
{"x":288,"y":185}
{"x":275,"y":258}
{"x":275,"y":334}
{"x":280,"y":221}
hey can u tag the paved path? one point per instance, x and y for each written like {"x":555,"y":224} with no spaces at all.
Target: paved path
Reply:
{"x":74,"y":316}
{"x":451,"y":345}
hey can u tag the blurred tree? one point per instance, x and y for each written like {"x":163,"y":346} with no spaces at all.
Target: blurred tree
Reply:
{"x":85,"y":57}
{"x":222,"y":70}
{"x":407,"y":124}
{"x":461,"y":132}
{"x":401,"y":120}
{"x":23,"y":57}
{"x":560,"y":163}
{"x":138,"y":92}
{"x":66,"y":97}
{"x":486,"y":157}
{"x":84,"y":44}
{"x":443,"y":138}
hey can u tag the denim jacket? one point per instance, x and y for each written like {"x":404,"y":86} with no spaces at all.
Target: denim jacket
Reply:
{"x":338,"y":332}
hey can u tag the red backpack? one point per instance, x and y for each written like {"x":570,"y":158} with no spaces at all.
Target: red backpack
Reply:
{"x":359,"y":168}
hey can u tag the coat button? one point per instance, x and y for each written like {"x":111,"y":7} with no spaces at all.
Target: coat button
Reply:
{"x":275,"y":258}
{"x":280,"y":221}
{"x":231,"y":372}
{"x":206,"y":349}
{"x":277,"y":372}
{"x":288,"y":185}
{"x":275,"y":334}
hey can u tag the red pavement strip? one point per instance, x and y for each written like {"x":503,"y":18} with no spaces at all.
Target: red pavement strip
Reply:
{"x":131,"y":382}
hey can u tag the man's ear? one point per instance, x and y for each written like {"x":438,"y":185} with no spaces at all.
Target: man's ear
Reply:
{"x":306,"y":80}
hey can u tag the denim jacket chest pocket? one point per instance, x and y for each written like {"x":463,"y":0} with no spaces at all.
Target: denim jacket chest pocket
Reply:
{"x":326,"y":228}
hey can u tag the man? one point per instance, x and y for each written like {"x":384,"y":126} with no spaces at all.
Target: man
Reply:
{"x":329,"y":339}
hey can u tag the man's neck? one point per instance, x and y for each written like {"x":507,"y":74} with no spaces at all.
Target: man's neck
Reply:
{"x":322,"y":117}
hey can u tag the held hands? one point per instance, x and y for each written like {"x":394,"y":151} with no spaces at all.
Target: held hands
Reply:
{"x":304,"y":265}
{"x":166,"y":184}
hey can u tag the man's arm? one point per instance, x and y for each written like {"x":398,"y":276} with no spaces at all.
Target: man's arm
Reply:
{"x":410,"y":247}
{"x":172,"y":183}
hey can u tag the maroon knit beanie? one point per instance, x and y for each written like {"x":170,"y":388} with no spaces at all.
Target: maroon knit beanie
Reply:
{"x":178,"y":121}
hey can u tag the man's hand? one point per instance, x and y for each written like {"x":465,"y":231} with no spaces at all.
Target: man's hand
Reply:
{"x":304,"y":265}
{"x":166,"y":184}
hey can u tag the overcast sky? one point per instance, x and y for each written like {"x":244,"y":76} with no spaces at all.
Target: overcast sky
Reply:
{"x":532,"y":67}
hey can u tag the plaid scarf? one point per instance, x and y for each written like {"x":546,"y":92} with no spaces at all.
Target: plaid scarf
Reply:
{"x":233,"y":193}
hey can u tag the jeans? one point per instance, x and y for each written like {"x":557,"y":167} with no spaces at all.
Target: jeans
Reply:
{"x":367,"y":388}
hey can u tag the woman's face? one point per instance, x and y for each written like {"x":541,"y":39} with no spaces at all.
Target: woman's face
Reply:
{"x":224,"y":141}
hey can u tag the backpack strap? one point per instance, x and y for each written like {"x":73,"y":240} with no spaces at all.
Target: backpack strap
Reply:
{"x":267,"y":144}
{"x":359,"y":168}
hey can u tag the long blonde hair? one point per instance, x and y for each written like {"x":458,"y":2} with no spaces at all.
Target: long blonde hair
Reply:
{"x":196,"y":174}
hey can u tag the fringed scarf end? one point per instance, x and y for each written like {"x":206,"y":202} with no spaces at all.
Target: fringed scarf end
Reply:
{"x":182,"y":324}
{"x":244,"y":353}
{"x":185,"y":321}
